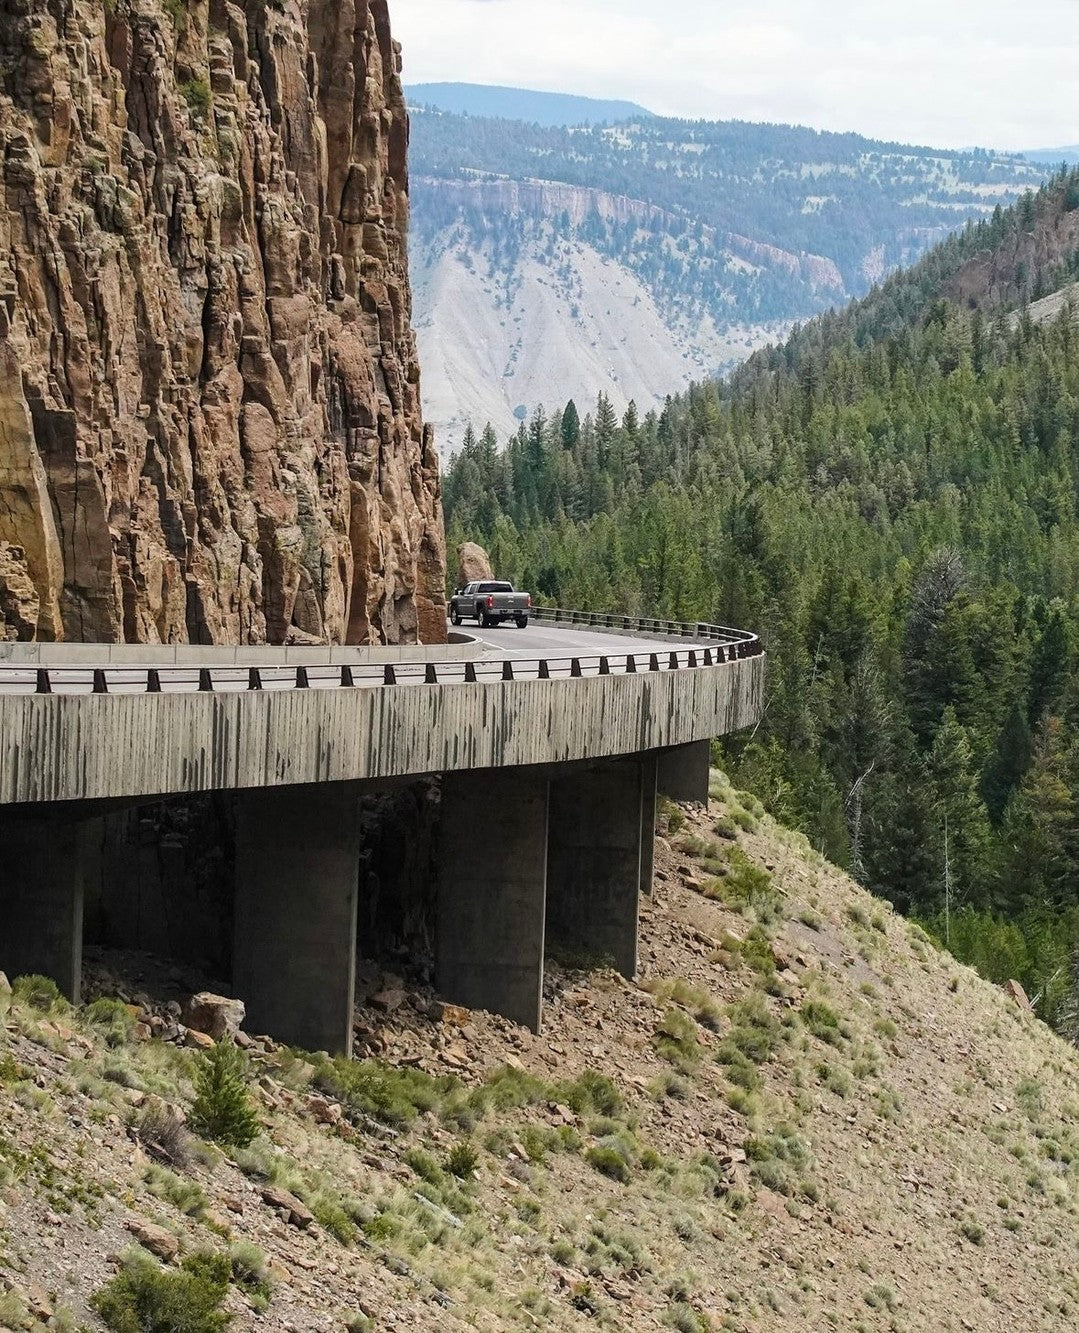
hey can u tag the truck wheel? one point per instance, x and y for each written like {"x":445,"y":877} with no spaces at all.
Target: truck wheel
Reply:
{"x":481,"y":618}
{"x":455,"y":616}
{"x":522,"y":622}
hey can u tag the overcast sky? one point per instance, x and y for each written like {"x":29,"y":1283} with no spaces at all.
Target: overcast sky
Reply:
{"x":949,"y":73}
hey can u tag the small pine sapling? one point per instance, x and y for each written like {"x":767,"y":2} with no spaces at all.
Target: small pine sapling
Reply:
{"x":222,"y":1110}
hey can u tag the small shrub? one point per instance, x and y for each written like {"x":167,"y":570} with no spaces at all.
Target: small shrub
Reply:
{"x":592,"y":1092}
{"x":183,"y":1194}
{"x":38,"y":992}
{"x":164,"y":1134}
{"x":222,"y":1110}
{"x":144,"y":1298}
{"x":1028,"y":1094}
{"x":196,"y":93}
{"x":251,"y":1273}
{"x":676,"y":1040}
{"x":463,"y":1160}
{"x":381,"y":1091}
{"x":424,"y":1165}
{"x":973,"y":1230}
{"x":822,"y":1021}
{"x":112,"y":1019}
{"x":881,"y":1297}
{"x":612,"y":1156}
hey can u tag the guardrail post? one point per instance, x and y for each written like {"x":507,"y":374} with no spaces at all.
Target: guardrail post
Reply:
{"x":302,"y":683}
{"x":430,"y":676}
{"x":673,"y":664}
{"x":575,"y":667}
{"x":153,"y":681}
{"x":653,"y":662}
{"x":692,"y":659}
{"x":507,"y":670}
{"x":708,"y":657}
{"x":470,"y":673}
{"x":44,"y":684}
{"x":347,"y":680}
{"x":604,"y":667}
{"x":631,"y":665}
{"x":544,"y":669}
{"x":389,"y":676}
{"x":101,"y":685}
{"x":206,"y":681}
{"x":254,"y":678}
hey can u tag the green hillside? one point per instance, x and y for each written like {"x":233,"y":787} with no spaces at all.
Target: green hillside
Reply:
{"x":891,"y":499}
{"x":706,"y":204}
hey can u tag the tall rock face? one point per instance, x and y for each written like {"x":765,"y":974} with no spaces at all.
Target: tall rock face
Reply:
{"x":210,"y":426}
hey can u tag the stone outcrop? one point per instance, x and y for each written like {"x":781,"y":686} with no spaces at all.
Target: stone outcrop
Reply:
{"x":210,"y":426}
{"x":473,"y":563}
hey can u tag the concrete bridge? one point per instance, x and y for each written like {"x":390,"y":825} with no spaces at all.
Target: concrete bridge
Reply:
{"x":551,"y":744}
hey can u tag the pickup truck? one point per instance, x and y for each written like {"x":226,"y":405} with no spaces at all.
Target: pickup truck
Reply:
{"x":489,"y":604}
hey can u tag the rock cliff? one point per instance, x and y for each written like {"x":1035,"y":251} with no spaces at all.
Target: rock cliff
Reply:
{"x":210,"y":426}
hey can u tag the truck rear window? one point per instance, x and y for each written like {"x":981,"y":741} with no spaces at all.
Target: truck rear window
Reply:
{"x":496,"y":587}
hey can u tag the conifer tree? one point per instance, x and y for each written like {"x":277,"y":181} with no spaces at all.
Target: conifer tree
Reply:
{"x":222,"y":1110}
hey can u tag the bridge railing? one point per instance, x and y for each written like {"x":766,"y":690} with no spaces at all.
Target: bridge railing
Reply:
{"x":713,"y":647}
{"x":643,"y":625}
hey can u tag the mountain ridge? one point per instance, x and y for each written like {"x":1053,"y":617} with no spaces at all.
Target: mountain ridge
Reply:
{"x":525,"y":104}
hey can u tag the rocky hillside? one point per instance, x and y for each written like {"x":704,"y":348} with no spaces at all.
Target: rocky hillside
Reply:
{"x":802,"y":1115}
{"x":606,"y":258}
{"x":210,"y":425}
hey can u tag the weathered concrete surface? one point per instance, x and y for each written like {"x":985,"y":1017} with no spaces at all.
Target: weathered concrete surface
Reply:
{"x":594,"y":861}
{"x":73,"y":748}
{"x":41,"y":899}
{"x":649,"y":775}
{"x":683,"y":772}
{"x":297,"y":876}
{"x":491,"y":893}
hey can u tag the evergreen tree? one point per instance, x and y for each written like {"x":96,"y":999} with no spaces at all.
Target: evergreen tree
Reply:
{"x":222,"y":1110}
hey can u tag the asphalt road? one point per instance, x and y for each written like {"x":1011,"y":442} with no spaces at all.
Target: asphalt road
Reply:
{"x":541,"y":640}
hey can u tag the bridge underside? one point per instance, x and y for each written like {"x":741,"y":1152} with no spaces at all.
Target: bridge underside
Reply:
{"x":530,"y":860}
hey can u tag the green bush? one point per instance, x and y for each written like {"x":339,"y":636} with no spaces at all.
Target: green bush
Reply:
{"x":462,"y":1160}
{"x":822,"y":1020}
{"x":609,"y":1160}
{"x":379,"y":1090}
{"x":112,"y":1019}
{"x":38,"y":992}
{"x":676,"y":1040}
{"x":251,"y":1273}
{"x":196,"y":93}
{"x":144,"y":1298}
{"x":222,"y":1110}
{"x":592,"y":1092}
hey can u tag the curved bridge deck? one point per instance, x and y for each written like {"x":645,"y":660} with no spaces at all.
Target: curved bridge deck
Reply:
{"x":551,"y":743}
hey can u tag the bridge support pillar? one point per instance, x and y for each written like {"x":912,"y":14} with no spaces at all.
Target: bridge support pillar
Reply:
{"x":649,"y":779}
{"x":491,"y":892}
{"x":683,"y":772}
{"x":294,"y":947}
{"x":41,"y":899}
{"x":594,"y":861}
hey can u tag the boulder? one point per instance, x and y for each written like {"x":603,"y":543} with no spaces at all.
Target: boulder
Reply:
{"x":161,"y":1243}
{"x":291,"y":1209}
{"x":473,"y":563}
{"x":216,"y":1015}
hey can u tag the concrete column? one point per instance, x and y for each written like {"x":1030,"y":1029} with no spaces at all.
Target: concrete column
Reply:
{"x":491,"y":892}
{"x":41,"y":899}
{"x":594,"y":861}
{"x":649,"y":778}
{"x":684,"y":770}
{"x":294,"y":947}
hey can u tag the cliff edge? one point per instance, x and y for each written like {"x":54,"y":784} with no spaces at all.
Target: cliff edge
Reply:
{"x":210,"y":425}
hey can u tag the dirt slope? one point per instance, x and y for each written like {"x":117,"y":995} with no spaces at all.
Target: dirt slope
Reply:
{"x":804,"y":1117}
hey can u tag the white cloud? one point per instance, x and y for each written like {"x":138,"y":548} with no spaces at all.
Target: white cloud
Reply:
{"x":943,"y":72}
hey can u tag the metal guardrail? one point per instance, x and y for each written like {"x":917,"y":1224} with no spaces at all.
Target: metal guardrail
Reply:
{"x":716,"y":646}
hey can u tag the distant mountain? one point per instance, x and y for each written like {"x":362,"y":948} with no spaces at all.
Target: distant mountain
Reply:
{"x":554,"y":262}
{"x":534,"y":108}
{"x":1054,"y":156}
